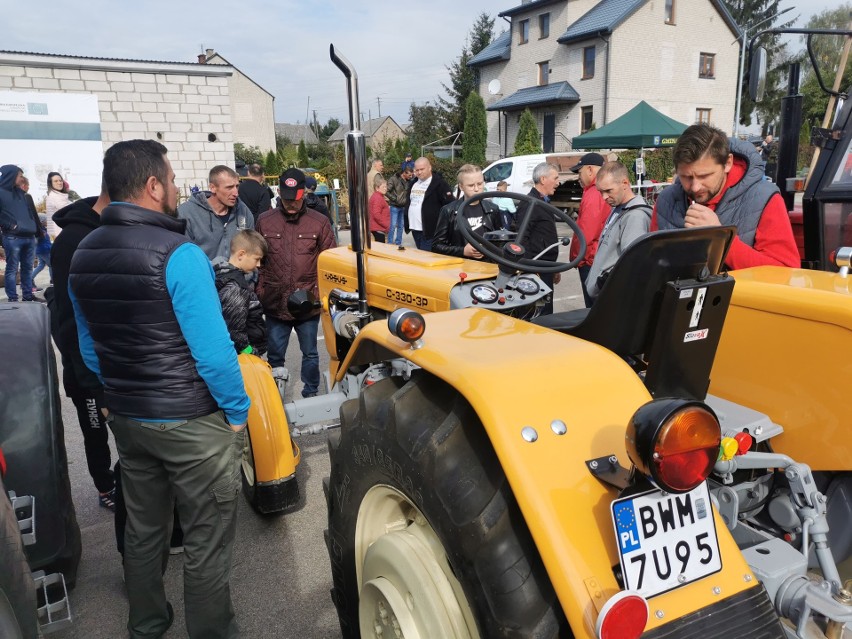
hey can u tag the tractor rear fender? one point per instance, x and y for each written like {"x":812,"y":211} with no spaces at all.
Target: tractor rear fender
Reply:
{"x":516,"y":375}
{"x":270,"y":434}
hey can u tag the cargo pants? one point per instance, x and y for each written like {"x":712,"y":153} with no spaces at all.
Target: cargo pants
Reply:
{"x":196,"y":462}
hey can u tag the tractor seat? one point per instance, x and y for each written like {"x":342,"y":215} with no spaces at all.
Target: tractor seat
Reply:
{"x":644,"y":301}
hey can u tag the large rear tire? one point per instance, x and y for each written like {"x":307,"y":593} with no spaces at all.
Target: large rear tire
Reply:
{"x":18,"y":615}
{"x":424,"y":533}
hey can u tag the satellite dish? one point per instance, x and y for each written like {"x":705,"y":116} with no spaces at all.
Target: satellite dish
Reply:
{"x":494,"y":86}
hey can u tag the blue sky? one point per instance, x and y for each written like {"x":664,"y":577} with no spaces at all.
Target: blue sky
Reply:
{"x":400,"y":49}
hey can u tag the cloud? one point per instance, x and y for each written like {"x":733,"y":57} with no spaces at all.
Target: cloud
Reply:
{"x":399,"y":51}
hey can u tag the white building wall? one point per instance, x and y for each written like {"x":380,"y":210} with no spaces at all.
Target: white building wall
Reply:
{"x":666,"y":73}
{"x":252,"y":110}
{"x":178,"y":109}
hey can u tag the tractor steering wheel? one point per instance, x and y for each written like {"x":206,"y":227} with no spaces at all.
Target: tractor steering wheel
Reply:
{"x":511,"y":256}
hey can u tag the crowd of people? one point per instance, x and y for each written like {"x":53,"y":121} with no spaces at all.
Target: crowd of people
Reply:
{"x":152,"y":302}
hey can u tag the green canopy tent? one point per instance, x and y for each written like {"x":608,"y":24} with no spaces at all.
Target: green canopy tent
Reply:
{"x":642,"y":127}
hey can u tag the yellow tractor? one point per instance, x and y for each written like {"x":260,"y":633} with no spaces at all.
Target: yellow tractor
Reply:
{"x":502,"y":475}
{"x":670,"y":463}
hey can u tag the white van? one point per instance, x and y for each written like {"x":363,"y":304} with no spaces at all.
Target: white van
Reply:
{"x":517,"y":172}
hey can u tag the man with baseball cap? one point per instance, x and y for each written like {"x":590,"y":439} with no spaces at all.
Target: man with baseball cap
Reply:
{"x":312,"y":200}
{"x":592,"y":215}
{"x":296,"y":234}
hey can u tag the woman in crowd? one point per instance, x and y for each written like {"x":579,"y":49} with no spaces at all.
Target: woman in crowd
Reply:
{"x":57,"y":198}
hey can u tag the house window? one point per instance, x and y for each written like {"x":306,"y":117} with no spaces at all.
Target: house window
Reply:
{"x":587,"y":115}
{"x":523,"y":31}
{"x":588,"y":62}
{"x":707,"y":65}
{"x":543,"y":72}
{"x":544,"y":26}
{"x":670,"y":11}
{"x":702,"y":116}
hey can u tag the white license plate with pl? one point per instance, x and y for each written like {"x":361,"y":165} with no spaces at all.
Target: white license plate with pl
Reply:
{"x":665,"y":540}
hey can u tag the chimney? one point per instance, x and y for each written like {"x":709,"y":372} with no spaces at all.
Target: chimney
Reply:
{"x":210,"y":53}
{"x":202,"y":59}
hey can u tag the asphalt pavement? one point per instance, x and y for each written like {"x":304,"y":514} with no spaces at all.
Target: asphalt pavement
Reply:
{"x":280,"y":581}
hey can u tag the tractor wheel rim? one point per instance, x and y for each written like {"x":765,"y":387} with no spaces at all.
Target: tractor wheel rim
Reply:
{"x":407,"y":588}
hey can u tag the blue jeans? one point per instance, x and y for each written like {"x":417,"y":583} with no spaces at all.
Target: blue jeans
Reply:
{"x":43,"y":256}
{"x":20,"y":251}
{"x":421,"y":241}
{"x":278,"y":337}
{"x":397,"y":225}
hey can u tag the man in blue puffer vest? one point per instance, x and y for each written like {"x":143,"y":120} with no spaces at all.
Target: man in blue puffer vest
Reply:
{"x":150,"y":325}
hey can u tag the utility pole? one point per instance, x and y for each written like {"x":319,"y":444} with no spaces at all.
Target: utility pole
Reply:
{"x":307,"y":119}
{"x":744,"y":38}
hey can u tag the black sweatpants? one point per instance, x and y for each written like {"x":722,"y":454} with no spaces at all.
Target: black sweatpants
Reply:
{"x":96,"y":441}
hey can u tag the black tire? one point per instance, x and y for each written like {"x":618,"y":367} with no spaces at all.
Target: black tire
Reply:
{"x":422,"y":439}
{"x":18,"y":614}
{"x":267,"y":499}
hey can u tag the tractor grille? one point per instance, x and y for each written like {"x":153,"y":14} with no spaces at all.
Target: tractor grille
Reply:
{"x":747,"y":614}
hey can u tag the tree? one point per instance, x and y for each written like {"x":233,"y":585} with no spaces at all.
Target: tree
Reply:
{"x":303,"y":154}
{"x":271,"y":166}
{"x":753,"y":13}
{"x":328,"y":129}
{"x":475,"y":130}
{"x":827,"y":50}
{"x":528,"y":140}
{"x":248,"y":154}
{"x":425,"y":124}
{"x":464,"y":79}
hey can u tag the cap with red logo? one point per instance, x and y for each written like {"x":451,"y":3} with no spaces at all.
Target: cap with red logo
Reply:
{"x":292,"y":184}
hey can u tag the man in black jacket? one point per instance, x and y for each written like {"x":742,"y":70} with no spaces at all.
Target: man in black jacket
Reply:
{"x":541,"y":233}
{"x":82,"y":386}
{"x":426,"y":196}
{"x":254,"y":192}
{"x":482,"y":216}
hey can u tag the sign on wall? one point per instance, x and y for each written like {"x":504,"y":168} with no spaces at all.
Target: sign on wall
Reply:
{"x":44,"y":132}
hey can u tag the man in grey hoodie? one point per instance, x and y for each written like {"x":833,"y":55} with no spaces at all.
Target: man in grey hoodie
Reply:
{"x":214,"y":217}
{"x":629,"y":220}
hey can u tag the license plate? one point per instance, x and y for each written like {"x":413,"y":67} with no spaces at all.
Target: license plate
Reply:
{"x":665,"y":540}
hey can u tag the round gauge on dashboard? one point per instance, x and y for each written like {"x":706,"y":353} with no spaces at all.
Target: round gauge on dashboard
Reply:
{"x":526,"y":286}
{"x":484,"y":294}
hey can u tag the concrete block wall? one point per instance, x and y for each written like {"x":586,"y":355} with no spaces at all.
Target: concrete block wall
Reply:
{"x":180,"y":110}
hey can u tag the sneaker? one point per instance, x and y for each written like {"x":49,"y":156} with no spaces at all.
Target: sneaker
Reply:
{"x":107,"y":500}
{"x":37,"y":289}
{"x":307,"y":395}
{"x":176,"y":550}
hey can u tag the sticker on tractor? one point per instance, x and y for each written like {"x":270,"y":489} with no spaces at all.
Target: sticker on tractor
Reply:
{"x":694,"y":336}
{"x":699,"y":306}
{"x":686,"y":293}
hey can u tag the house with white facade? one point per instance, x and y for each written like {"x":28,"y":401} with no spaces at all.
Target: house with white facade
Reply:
{"x":579,"y":64}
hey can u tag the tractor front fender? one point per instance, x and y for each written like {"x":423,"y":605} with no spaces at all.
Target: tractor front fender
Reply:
{"x":274,"y":454}
{"x":518,"y":376}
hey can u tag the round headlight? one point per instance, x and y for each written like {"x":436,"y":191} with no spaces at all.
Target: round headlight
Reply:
{"x":675,"y":442}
